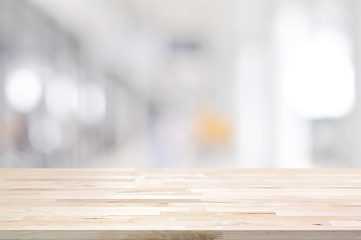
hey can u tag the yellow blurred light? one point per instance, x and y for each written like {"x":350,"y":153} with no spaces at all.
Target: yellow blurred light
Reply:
{"x":213,"y":128}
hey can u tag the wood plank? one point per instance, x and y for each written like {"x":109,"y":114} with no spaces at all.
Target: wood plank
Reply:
{"x":254,"y":204}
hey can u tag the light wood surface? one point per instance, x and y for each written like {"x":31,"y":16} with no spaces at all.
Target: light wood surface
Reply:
{"x":250,"y":204}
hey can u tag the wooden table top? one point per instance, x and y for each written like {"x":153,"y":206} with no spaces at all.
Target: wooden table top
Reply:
{"x":61,"y":204}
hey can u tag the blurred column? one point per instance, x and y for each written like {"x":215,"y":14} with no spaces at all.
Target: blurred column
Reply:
{"x":256,"y":122}
{"x":352,"y":140}
{"x":293,"y":132}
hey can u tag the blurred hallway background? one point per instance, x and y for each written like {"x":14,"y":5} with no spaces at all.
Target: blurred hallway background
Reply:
{"x":180,"y":83}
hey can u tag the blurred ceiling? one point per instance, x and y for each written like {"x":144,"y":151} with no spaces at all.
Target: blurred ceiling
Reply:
{"x":136,"y":35}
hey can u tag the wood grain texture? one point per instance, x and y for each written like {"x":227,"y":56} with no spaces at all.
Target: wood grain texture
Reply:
{"x":252,"y":204}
